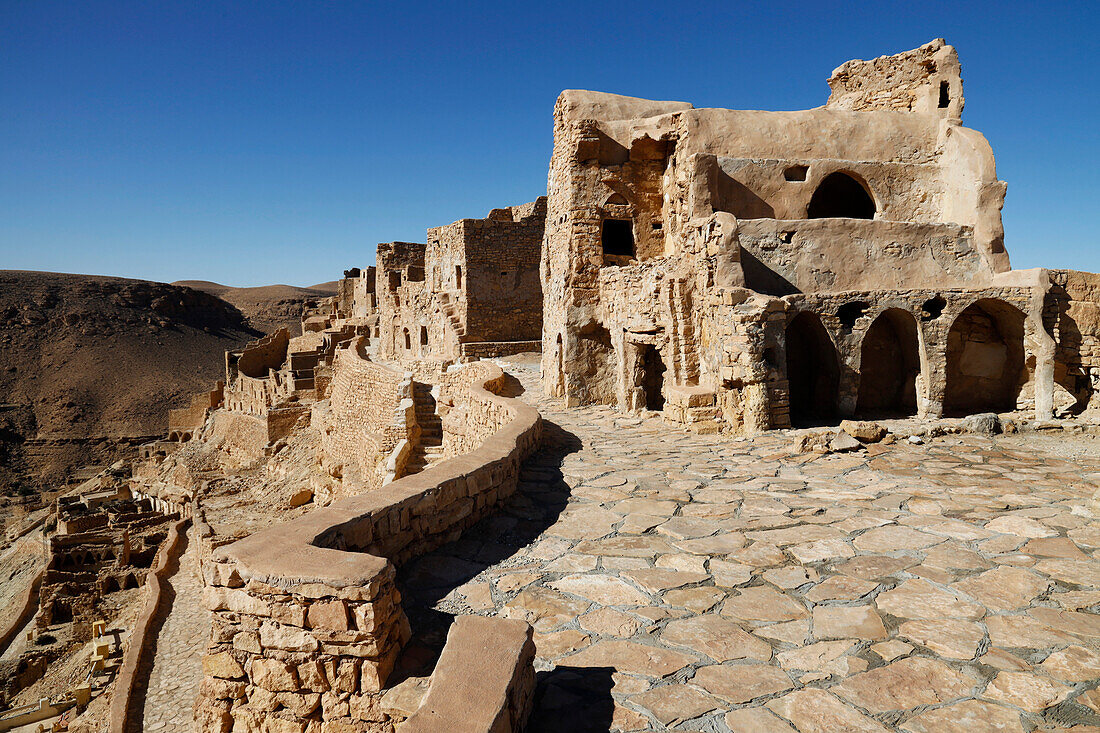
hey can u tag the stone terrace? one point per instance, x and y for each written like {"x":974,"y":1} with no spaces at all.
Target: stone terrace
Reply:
{"x":697,"y":583}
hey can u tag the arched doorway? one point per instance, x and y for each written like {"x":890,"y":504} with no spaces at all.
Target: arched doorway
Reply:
{"x":889,"y":364}
{"x":985,"y":359}
{"x":813,"y":372}
{"x":839,"y":195}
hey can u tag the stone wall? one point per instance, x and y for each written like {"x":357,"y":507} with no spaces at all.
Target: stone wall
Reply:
{"x":365,"y":418}
{"x":308,"y":634}
{"x":926,"y":79}
{"x":1072,"y":315}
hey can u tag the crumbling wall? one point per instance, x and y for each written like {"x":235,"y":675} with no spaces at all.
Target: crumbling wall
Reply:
{"x":927,"y":79}
{"x":1071,"y":314}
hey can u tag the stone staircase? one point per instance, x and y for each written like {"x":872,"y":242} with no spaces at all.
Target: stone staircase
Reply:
{"x":429,"y":449}
{"x":449,"y":306}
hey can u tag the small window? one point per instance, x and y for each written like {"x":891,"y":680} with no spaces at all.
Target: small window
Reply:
{"x":395,"y":280}
{"x":423,"y":335}
{"x":415,"y":274}
{"x":796,"y":172}
{"x":458,"y":276}
{"x":408,"y":342}
{"x":657,"y":226}
{"x":618,"y":237}
{"x":945,"y":94}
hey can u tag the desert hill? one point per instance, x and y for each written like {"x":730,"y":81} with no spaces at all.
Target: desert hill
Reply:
{"x":268,"y":307}
{"x":85,"y":358}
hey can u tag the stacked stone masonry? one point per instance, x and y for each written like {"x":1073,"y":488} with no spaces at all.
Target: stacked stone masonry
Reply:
{"x":309,"y":635}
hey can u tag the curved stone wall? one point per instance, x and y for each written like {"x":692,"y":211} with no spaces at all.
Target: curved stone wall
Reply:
{"x":307,"y":619}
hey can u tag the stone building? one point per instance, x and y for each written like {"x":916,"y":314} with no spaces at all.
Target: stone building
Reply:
{"x":748,"y":270}
{"x":472,"y":290}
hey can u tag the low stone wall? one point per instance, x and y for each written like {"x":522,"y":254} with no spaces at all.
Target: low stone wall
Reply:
{"x":307,"y":619}
{"x":497,"y":349}
{"x":140,"y":646}
{"x":483,"y":682}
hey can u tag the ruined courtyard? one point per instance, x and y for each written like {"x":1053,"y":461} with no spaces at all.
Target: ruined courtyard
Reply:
{"x":747,"y":424}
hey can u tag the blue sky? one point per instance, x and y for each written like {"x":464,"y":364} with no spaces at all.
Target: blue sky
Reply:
{"x":260,"y":142}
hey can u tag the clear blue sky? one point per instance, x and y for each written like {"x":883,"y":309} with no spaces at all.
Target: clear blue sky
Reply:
{"x":260,"y":142}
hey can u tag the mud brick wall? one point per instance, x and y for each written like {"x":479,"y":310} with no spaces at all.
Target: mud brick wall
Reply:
{"x":307,"y":621}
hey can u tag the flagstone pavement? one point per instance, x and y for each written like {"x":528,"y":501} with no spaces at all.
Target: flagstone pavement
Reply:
{"x":691,"y":582}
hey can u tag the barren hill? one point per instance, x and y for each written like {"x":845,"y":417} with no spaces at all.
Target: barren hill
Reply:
{"x":87,"y":357}
{"x":269,"y":307}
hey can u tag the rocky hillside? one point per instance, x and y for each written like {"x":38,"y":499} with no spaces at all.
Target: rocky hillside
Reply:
{"x":270,"y":307}
{"x":86,"y":358}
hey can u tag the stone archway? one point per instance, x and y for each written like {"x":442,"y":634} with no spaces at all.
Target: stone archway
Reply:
{"x":813,"y":372}
{"x":889,"y":364}
{"x":985,"y":359}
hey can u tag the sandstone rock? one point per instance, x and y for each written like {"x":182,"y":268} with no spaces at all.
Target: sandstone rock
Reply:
{"x":273,"y":675}
{"x":842,"y":441}
{"x":626,"y":656}
{"x":716,"y":637}
{"x":222,"y":665}
{"x":674,"y":703}
{"x":906,"y":683}
{"x":847,"y":622}
{"x":987,"y":423}
{"x":756,"y":720}
{"x":919,"y":599}
{"x":1027,"y":691}
{"x":817,"y":711}
{"x":949,"y":637}
{"x":742,"y":683}
{"x":863,"y":430}
{"x":300,"y":498}
{"x":762,"y":604}
{"x":965,"y":717}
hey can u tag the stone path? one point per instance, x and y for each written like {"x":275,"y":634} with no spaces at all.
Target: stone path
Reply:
{"x":689,"y":582}
{"x":177,"y":667}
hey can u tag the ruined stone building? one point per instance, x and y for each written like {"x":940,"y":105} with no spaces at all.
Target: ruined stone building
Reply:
{"x":748,"y":270}
{"x":472,"y":290}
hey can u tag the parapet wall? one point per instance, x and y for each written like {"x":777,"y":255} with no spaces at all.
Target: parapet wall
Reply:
{"x":307,"y":621}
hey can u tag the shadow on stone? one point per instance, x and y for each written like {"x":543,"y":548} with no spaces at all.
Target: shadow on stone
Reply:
{"x":425,"y":583}
{"x":572,"y":700}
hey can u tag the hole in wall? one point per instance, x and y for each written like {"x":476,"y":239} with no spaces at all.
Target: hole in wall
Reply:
{"x":796,"y":172}
{"x":945,"y":95}
{"x":849,"y":313}
{"x":932,"y":308}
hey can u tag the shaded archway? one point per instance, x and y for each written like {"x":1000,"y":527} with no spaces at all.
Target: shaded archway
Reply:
{"x":839,"y":195}
{"x":889,"y":364}
{"x":985,"y":359}
{"x":813,"y":372}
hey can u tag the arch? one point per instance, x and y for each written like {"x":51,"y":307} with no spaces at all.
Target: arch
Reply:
{"x":985,"y":359}
{"x":841,"y":195}
{"x":813,"y":371}
{"x":889,"y":364}
{"x":616,"y":199}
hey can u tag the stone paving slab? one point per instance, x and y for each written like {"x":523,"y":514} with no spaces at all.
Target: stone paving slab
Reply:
{"x":688,"y":582}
